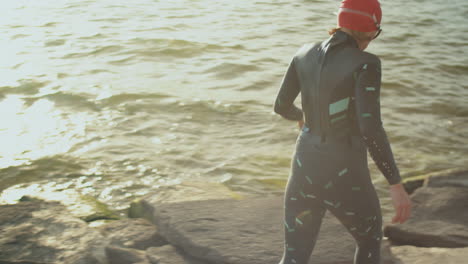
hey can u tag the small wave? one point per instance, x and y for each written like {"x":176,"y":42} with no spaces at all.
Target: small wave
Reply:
{"x":50,"y":24}
{"x":123,"y":61}
{"x":181,"y":16}
{"x":456,"y":69}
{"x":27,"y":87}
{"x":95,"y":36}
{"x":130,"y":97}
{"x":17,"y":66}
{"x":96,"y":71}
{"x":111,"y":19}
{"x":402,"y":37}
{"x":454,"y":43}
{"x":449,"y":109}
{"x":426,"y":22}
{"x":57,"y":42}
{"x":203,"y":111}
{"x":97,"y":51}
{"x":258,"y":85}
{"x":231,"y":70}
{"x":66,"y":99}
{"x":61,"y":75}
{"x":177,"y":48}
{"x":17,"y":36}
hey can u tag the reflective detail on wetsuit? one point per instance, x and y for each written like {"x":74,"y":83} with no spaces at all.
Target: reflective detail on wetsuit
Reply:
{"x":339,"y":106}
{"x":341,"y":173}
{"x":302,"y":194}
{"x":299,"y":162}
{"x":338,"y":118}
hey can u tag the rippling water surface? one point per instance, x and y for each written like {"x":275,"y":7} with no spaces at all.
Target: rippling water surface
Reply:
{"x":116,"y":98}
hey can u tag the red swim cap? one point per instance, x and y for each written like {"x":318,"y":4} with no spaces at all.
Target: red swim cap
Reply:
{"x":360,"y":15}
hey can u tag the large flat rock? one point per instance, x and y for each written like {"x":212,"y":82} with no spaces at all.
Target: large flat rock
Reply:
{"x":439,"y":219}
{"x":185,"y":191}
{"x":248,"y":231}
{"x":431,"y":255}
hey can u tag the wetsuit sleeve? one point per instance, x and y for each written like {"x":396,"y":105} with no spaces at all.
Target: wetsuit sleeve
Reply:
{"x":289,"y":89}
{"x":367,"y":95}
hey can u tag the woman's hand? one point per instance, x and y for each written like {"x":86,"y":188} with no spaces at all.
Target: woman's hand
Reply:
{"x":401,"y":203}
{"x":300,"y":123}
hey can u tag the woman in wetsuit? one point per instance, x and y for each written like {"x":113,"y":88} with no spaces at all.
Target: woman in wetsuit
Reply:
{"x":340,"y":121}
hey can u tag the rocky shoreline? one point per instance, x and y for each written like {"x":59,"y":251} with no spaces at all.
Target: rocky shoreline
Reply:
{"x":222,"y":227}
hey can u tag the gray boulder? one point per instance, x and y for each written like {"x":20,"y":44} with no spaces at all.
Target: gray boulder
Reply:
{"x":248,"y":231}
{"x":454,"y":178}
{"x":45,"y":232}
{"x":132,"y":233}
{"x":439,"y":218}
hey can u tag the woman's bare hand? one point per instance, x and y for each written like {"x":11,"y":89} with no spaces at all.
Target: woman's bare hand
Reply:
{"x":401,"y":203}
{"x":300,"y":123}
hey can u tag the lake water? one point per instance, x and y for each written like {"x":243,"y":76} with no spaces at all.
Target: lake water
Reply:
{"x":116,"y":98}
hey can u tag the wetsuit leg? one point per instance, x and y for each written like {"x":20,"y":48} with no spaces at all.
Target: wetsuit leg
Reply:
{"x":354,"y":202}
{"x":302,"y":219}
{"x":334,"y":177}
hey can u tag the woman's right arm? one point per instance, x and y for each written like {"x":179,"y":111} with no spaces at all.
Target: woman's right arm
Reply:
{"x":367,"y":95}
{"x":367,"y":101}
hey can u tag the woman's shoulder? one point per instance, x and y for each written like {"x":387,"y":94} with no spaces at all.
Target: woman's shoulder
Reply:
{"x":307,"y":48}
{"x":371,"y":58}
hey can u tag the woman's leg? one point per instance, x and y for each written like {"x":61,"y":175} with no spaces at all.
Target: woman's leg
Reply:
{"x":303,"y":214}
{"x":354,"y":202}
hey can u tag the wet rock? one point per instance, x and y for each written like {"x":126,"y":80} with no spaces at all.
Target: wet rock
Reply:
{"x":185,"y":191}
{"x":132,"y":233}
{"x":439,"y":218}
{"x":430,"y":255}
{"x":22,"y":262}
{"x":248,"y":231}
{"x":168,"y":254}
{"x":45,"y":232}
{"x":85,"y":207}
{"x":118,"y":255}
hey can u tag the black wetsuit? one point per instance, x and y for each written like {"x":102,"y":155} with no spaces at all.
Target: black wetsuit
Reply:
{"x":340,"y":92}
